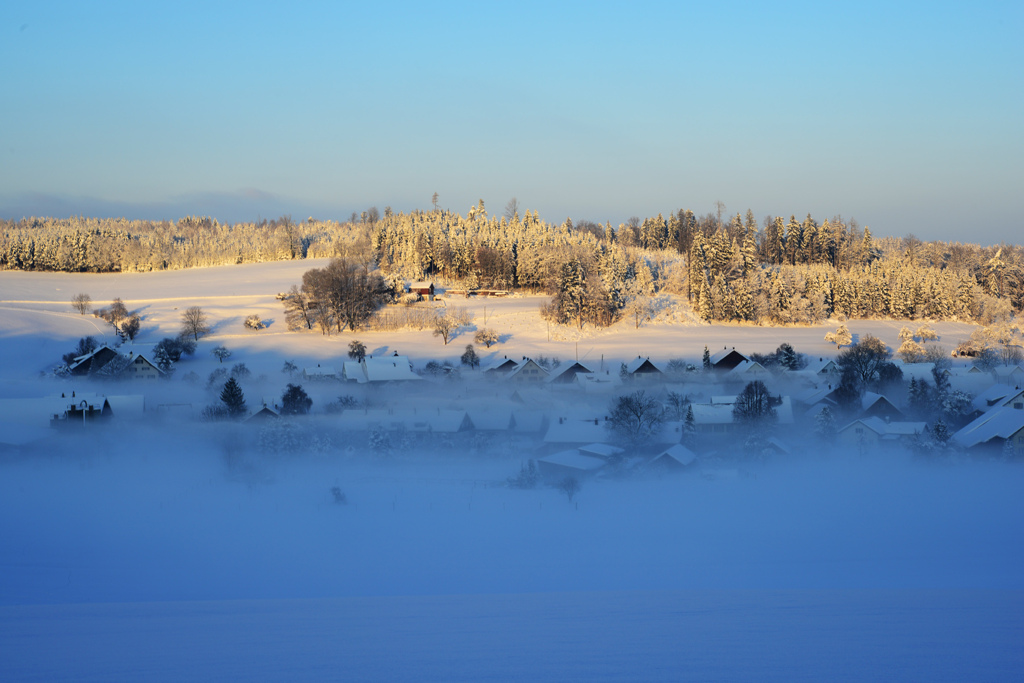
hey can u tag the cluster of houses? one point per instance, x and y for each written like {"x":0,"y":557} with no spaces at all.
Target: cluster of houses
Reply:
{"x":135,"y":367}
{"x":533,"y":397}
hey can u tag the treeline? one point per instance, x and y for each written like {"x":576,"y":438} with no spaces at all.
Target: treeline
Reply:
{"x":780,"y":271}
{"x":103,"y":245}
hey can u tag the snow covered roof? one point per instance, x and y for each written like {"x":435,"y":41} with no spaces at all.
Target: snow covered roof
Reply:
{"x":597,"y":382}
{"x":816,"y":395}
{"x":888,"y":429}
{"x":601,"y":450}
{"x":918,"y":371}
{"x":319,"y":371}
{"x":566,"y":372}
{"x":389,"y":369}
{"x":575,"y":460}
{"x":678,"y":453}
{"x":719,"y":356}
{"x":644,"y":365}
{"x":1009,"y":372}
{"x":576,"y":431}
{"x":500,"y":366}
{"x":712,"y":413}
{"x":822,"y":366}
{"x":525,"y":368}
{"x":870,"y":398}
{"x":1002,"y":422}
{"x":996,"y":395}
{"x":748,"y":367}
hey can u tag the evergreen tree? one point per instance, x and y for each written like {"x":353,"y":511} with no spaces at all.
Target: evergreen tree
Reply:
{"x":232,"y":398}
{"x":295,"y":401}
{"x":689,"y":428}
{"x":706,"y":359}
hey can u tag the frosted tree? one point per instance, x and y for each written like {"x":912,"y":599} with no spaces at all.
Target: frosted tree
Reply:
{"x":841,"y":337}
{"x":487,"y":337}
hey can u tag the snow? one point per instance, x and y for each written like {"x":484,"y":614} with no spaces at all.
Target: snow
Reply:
{"x":165,"y":548}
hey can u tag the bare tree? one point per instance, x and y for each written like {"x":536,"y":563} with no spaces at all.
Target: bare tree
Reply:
{"x":754,"y":404}
{"x":81,"y":303}
{"x":635,"y":417}
{"x":512,"y":208}
{"x":221,"y":352}
{"x":194,"y":323}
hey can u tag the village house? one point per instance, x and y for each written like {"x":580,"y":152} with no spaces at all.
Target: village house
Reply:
{"x":141,"y":368}
{"x":727,"y":359}
{"x":675,"y":458}
{"x":380,"y":370}
{"x":642,"y":369}
{"x":566,"y":373}
{"x":319,"y":373}
{"x":527,"y":370}
{"x":874,"y":432}
{"x":92,"y":361}
{"x":423,"y":288}
{"x":999,"y":430}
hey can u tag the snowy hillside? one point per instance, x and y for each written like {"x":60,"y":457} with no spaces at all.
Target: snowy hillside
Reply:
{"x":169,"y":548}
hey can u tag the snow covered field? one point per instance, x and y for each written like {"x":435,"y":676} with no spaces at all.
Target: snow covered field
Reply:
{"x":175,"y":550}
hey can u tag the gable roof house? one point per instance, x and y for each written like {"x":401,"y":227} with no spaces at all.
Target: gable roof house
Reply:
{"x":378,"y":370}
{"x":873,"y":432}
{"x":141,"y":368}
{"x":569,"y":463}
{"x":675,"y":458}
{"x":527,"y":370}
{"x":727,"y":359}
{"x":643,"y":369}
{"x":319,"y":372}
{"x":424,"y":288}
{"x":877,"y":405}
{"x":996,"y":396}
{"x":747,"y":368}
{"x":822,"y":366}
{"x":500,"y":368}
{"x":566,"y":373}
{"x":92,"y":361}
{"x":991,"y":431}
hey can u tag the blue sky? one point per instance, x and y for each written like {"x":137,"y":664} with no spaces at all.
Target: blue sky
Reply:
{"x":906,"y":116}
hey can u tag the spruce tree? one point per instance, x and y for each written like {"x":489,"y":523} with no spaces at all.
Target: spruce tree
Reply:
{"x":232,"y":398}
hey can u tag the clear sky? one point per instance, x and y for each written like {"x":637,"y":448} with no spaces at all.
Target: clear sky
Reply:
{"x":908,"y":117}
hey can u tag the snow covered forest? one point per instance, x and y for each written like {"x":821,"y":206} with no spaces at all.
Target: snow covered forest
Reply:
{"x":778,"y":272}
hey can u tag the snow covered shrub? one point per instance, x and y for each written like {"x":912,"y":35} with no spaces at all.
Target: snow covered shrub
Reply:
{"x":570,"y":486}
{"x":527,"y":478}
{"x":380,"y":443}
{"x":253,"y":322}
{"x":343,"y":403}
